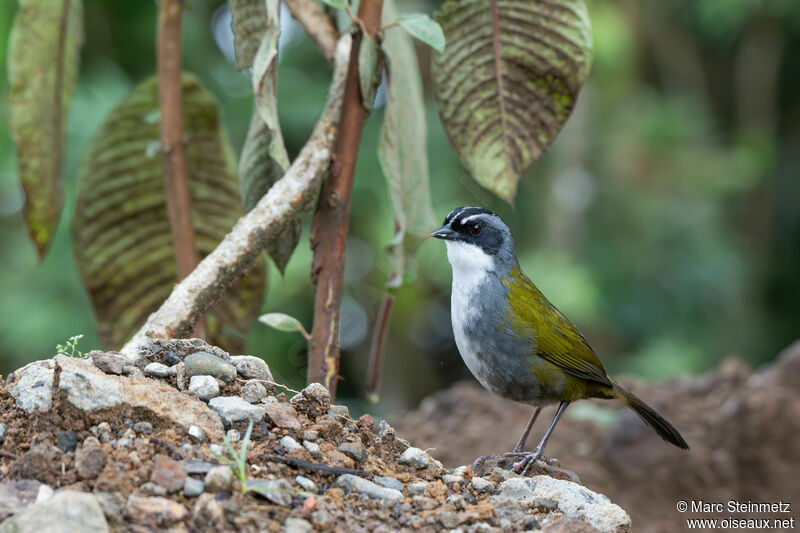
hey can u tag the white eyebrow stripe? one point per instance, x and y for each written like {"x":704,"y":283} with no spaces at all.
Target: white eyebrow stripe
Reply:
{"x":479,"y":215}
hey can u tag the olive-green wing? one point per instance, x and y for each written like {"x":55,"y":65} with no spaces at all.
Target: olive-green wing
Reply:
{"x":558,"y":340}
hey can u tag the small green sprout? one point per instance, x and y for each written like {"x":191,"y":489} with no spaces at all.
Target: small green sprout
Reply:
{"x":237,"y":460}
{"x":70,"y":349}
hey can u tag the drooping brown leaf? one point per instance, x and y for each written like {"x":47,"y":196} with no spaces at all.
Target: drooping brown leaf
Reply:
{"x":43,"y":60}
{"x":507,"y":81}
{"x":248,"y":22}
{"x":121,"y":231}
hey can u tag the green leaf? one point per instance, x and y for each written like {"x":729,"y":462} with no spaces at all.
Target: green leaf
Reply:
{"x":402,"y":150}
{"x":121,"y":232}
{"x":248,"y":22}
{"x":424,"y":28}
{"x":503,"y":101}
{"x":43,"y":60}
{"x":368,"y":71}
{"x":338,"y":4}
{"x":282,"y":322}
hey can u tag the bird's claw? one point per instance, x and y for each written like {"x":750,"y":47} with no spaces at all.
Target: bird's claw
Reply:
{"x":528,"y":459}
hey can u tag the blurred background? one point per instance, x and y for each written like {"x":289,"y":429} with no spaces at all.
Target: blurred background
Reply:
{"x":665,"y":219}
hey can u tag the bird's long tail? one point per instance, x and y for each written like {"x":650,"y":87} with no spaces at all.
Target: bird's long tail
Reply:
{"x":664,"y":429}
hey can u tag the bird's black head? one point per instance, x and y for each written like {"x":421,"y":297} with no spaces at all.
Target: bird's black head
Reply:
{"x":477,"y":226}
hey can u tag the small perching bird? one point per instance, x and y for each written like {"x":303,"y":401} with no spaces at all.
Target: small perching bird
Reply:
{"x":513,"y":340}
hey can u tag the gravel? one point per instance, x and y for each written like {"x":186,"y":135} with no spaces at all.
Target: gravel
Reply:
{"x":414,"y":457}
{"x":349,"y":482}
{"x":203,"y":387}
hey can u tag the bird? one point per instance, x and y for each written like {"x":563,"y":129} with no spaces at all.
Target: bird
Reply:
{"x":514,"y":341}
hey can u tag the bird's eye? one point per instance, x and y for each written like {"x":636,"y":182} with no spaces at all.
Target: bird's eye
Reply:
{"x":476,"y":229}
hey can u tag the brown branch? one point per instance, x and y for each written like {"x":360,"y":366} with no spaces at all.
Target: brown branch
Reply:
{"x":381,"y":328}
{"x":240,"y":249}
{"x":329,"y":226}
{"x":311,"y":15}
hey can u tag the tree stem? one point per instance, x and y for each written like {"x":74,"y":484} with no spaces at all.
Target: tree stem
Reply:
{"x":329,"y":226}
{"x":375,"y":365}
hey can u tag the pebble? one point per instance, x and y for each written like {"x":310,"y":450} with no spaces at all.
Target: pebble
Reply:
{"x":321,"y":519}
{"x":340,"y":411}
{"x":143,"y":427}
{"x":205,"y":364}
{"x":168,"y":473}
{"x":450,"y":479}
{"x":154,"y":510}
{"x":102,"y":431}
{"x":306,"y":483}
{"x":289,"y":444}
{"x":481,"y":484}
{"x":414,"y":457}
{"x":253,"y":391}
{"x":389,"y":482}
{"x":310,"y":435}
{"x":218,"y":479}
{"x":354,"y":450}
{"x":67,"y":510}
{"x":66,"y":441}
{"x":203,"y":387}
{"x":282,"y":415}
{"x":250,"y":367}
{"x":90,"y":459}
{"x":193,"y":487}
{"x":417,"y":488}
{"x":152,"y":489}
{"x":360,"y":485}
{"x":3,"y":433}
{"x":233,"y":435}
{"x":315,"y":400}
{"x":157,"y":370}
{"x":192,"y":466}
{"x":234,"y":409}
{"x":277,"y":491}
{"x":197,"y":433}
{"x":108,"y":362}
{"x":297,"y":525}
{"x":125,"y":442}
{"x":312,"y":448}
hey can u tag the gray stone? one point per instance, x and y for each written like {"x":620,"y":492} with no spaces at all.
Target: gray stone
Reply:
{"x":312,"y":448}
{"x":2,"y":433}
{"x":66,"y":512}
{"x":173,"y":351}
{"x":125,"y":442}
{"x":250,"y":367}
{"x":322,"y":518}
{"x":203,"y":387}
{"x":354,"y":450}
{"x":310,"y":435}
{"x":168,"y":473}
{"x":349,"y":482}
{"x":218,"y":479}
{"x":16,"y":495}
{"x":297,"y":525}
{"x":152,"y":489}
{"x":192,"y":466}
{"x":33,"y":386}
{"x":234,"y":409}
{"x":108,"y":362}
{"x":340,"y":411}
{"x":102,"y":431}
{"x":157,"y":370}
{"x":277,"y":491}
{"x":253,"y":391}
{"x":197,"y":433}
{"x":205,"y":364}
{"x":66,"y":441}
{"x":306,"y":483}
{"x":414,"y":457}
{"x":389,"y":482}
{"x":154,"y":510}
{"x":143,"y":427}
{"x":282,"y":415}
{"x":233,"y":436}
{"x":450,"y":479}
{"x":90,"y":459}
{"x":314,"y":400}
{"x":193,"y":487}
{"x":417,"y":488}
{"x":481,"y":484}
{"x":289,"y":444}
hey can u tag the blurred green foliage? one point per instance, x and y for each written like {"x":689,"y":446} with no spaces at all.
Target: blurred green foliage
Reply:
{"x":664,"y":220}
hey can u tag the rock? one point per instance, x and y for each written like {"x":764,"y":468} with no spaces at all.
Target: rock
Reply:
{"x":414,"y":457}
{"x":125,"y":442}
{"x":89,"y":389}
{"x":143,"y":427}
{"x":312,"y":448}
{"x":42,"y":462}
{"x":205,"y":364}
{"x":250,"y":367}
{"x":154,"y":510}
{"x":151,"y":489}
{"x":234,"y":409}
{"x":314,"y":400}
{"x":66,"y":512}
{"x":102,"y":431}
{"x":310,"y":435}
{"x":349,"y":482}
{"x":289,"y":444}
{"x":90,"y":459}
{"x":417,"y":488}
{"x":568,"y":525}
{"x":282,"y":415}
{"x":190,"y":466}
{"x":173,"y":351}
{"x":340,"y":411}
{"x":197,"y":433}
{"x":306,"y":483}
{"x":233,"y":436}
{"x":66,"y":441}
{"x":389,"y":482}
{"x":168,"y":473}
{"x":450,"y":479}
{"x":354,"y":450}
{"x":481,"y":484}
{"x":108,"y":362}
{"x":253,"y":391}
{"x":158,"y":370}
{"x":218,"y":479}
{"x":573,"y":500}
{"x":16,"y":495}
{"x":297,"y":525}
{"x":193,"y":487}
{"x":2,"y":433}
{"x":277,"y":491}
{"x":203,"y":387}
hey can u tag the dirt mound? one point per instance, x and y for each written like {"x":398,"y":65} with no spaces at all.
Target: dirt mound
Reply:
{"x":743,"y":428}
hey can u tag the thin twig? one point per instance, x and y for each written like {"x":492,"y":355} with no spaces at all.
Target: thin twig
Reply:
{"x":329,"y":225}
{"x":318,"y":25}
{"x":378,"y":338}
{"x":307,"y":465}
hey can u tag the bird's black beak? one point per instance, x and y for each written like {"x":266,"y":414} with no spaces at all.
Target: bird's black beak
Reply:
{"x":445,"y":234}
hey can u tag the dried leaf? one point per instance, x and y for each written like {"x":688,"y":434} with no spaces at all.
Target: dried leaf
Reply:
{"x":121,"y":230}
{"x":508,"y":80}
{"x":43,"y":60}
{"x":248,"y":22}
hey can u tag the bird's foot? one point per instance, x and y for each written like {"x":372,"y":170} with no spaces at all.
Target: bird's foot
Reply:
{"x":528,"y":459}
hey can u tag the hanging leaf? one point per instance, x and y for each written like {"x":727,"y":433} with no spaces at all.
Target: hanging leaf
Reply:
{"x":43,"y":60}
{"x":424,"y":28}
{"x":368,"y":71}
{"x":283,"y":322}
{"x":248,"y":22}
{"x":508,"y":80}
{"x":401,"y":149}
{"x":121,"y":232}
